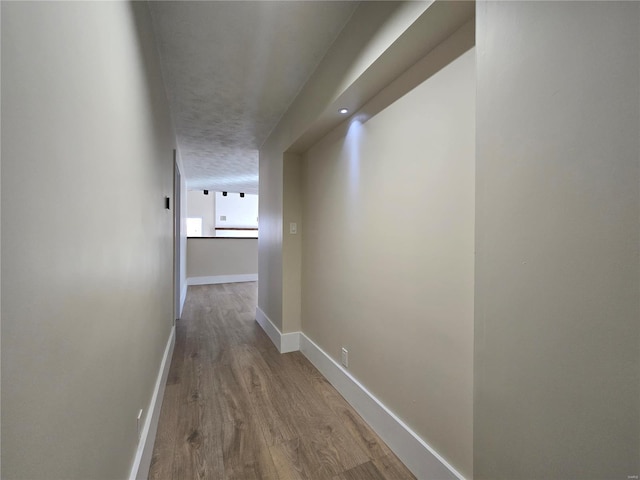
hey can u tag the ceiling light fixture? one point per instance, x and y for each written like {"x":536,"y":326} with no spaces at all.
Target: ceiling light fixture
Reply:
{"x":343,"y":111}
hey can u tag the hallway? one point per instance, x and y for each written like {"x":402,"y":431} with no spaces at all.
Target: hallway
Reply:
{"x":235,"y":408}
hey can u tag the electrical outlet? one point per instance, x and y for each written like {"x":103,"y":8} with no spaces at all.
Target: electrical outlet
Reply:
{"x":345,"y":357}
{"x":139,"y":423}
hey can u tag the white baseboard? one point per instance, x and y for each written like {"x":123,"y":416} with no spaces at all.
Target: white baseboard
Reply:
{"x":142,"y":460}
{"x":269,"y":328}
{"x":289,"y":342}
{"x":284,"y":342}
{"x":248,"y":277}
{"x":415,"y":453}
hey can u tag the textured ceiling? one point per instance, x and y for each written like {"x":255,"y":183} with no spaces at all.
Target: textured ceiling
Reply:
{"x":231,"y":70}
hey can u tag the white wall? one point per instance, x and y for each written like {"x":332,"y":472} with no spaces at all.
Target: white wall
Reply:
{"x":557,"y":380}
{"x":202,"y":206}
{"x":387,"y":255}
{"x":87,"y":261}
{"x":238,"y":212}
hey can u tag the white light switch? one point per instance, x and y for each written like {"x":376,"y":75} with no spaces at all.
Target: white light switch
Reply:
{"x":293,"y":228}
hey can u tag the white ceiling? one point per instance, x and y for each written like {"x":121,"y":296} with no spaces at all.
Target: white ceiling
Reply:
{"x":231,"y":70}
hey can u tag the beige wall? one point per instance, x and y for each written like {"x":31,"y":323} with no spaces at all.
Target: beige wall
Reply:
{"x":86,"y":273}
{"x":373,"y":27}
{"x":292,"y":243}
{"x":388,"y":255}
{"x":208,"y":257}
{"x":557,"y":279}
{"x":270,"y":238}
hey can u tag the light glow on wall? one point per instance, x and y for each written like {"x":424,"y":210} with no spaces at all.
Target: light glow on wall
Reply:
{"x":352,"y":143}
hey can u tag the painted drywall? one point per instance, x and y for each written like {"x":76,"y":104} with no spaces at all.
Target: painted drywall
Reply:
{"x":238,"y":211}
{"x":557,"y":360}
{"x":270,"y":238}
{"x":183,"y":234}
{"x":202,"y":206}
{"x":292,"y":242}
{"x":387,"y":255}
{"x":209,"y":257}
{"x":87,"y":274}
{"x":373,"y":27}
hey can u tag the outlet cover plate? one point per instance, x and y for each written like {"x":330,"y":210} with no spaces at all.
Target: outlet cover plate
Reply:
{"x":345,"y":357}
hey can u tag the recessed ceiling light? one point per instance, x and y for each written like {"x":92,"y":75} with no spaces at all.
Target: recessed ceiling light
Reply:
{"x":343,"y":110}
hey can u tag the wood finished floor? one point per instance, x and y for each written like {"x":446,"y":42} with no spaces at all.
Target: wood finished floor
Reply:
{"x":235,"y":408}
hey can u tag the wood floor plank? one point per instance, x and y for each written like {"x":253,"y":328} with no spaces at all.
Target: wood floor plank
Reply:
{"x":163,"y":450}
{"x":267,"y":395}
{"x":292,"y":460}
{"x":331,"y":451}
{"x":384,"y":459}
{"x":366,"y":471}
{"x":198,"y":452}
{"x":319,"y":427}
{"x":236,"y":409}
{"x":392,"y":468}
{"x":245,"y":452}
